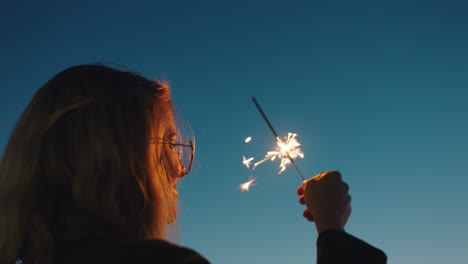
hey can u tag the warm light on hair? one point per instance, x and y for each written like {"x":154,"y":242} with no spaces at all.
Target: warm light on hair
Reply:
{"x":78,"y":162}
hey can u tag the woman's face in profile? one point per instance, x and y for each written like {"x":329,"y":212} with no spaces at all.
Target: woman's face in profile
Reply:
{"x":176,"y":165}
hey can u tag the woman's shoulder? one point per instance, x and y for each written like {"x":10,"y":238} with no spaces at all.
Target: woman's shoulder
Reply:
{"x":149,"y":249}
{"x":145,"y":251}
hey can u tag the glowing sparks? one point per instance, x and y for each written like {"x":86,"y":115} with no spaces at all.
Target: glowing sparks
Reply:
{"x":248,"y":139}
{"x":244,"y":187}
{"x":246,"y":162}
{"x":290,"y":146}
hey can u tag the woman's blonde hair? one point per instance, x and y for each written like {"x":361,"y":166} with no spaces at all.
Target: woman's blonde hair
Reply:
{"x":79,"y":162}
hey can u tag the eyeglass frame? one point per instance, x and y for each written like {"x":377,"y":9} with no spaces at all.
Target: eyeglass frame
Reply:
{"x":186,"y":143}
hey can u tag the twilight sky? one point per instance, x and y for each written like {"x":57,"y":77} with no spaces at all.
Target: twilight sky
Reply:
{"x":375,"y":89}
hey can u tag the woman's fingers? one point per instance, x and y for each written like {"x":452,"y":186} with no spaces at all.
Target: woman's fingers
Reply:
{"x":300,"y":190}
{"x":302,"y":199}
{"x":346,"y":186}
{"x":308,"y":215}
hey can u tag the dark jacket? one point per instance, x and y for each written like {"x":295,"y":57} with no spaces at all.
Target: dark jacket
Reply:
{"x":338,"y":247}
{"x":333,"y":247}
{"x":148,"y":251}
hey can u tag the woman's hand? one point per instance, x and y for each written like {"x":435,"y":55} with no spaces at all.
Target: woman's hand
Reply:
{"x":327,"y":199}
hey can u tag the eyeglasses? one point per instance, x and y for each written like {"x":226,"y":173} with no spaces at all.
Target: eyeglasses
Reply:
{"x":186,"y":151}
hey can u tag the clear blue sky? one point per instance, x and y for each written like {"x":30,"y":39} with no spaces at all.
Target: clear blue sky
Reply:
{"x":375,"y":89}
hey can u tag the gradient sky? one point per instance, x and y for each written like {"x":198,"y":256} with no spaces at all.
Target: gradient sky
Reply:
{"x":375,"y":89}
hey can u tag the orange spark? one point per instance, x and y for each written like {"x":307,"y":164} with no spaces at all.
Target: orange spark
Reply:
{"x":244,"y":187}
{"x":246,"y":162}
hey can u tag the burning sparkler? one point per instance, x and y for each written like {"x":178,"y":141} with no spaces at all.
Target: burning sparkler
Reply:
{"x":244,"y":187}
{"x":246,"y":162}
{"x":285,"y":151}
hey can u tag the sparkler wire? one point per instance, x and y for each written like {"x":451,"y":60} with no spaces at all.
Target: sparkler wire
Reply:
{"x":276,"y":136}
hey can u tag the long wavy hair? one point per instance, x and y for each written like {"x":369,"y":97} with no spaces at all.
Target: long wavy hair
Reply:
{"x":79,"y":162}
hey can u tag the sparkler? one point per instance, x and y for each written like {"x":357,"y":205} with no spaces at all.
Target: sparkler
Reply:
{"x":286,"y":150}
{"x":246,"y":162}
{"x":244,"y":187}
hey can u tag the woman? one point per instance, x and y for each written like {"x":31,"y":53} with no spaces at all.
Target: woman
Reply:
{"x":92,"y":161}
{"x":90,"y":171}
